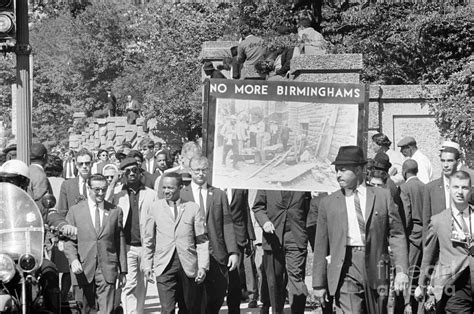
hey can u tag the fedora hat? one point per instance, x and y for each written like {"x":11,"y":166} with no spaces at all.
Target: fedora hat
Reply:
{"x":350,"y":155}
{"x":382,"y":162}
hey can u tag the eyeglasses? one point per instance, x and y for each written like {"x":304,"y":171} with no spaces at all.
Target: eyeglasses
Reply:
{"x":85,"y":163}
{"x":134,"y":170}
{"x":203,"y":170}
{"x":109,"y":177}
{"x":99,"y":190}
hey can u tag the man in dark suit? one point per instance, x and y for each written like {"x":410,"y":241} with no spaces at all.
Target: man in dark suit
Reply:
{"x":176,"y":248}
{"x":449,"y":238}
{"x":245,"y":235}
{"x":411,"y":194}
{"x":98,"y":258}
{"x":74,"y":190}
{"x":356,"y":225}
{"x":148,"y":179}
{"x":222,"y":244}
{"x":282,"y":216}
{"x":147,"y":148}
{"x":39,"y":183}
{"x":436,"y":194}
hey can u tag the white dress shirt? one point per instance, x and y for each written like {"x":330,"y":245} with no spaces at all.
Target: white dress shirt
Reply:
{"x":354,"y":238}
{"x":425,"y":170}
{"x":446,"y":191}
{"x":465,"y":215}
{"x":81,"y":185}
{"x":92,"y":207}
{"x":195,"y":189}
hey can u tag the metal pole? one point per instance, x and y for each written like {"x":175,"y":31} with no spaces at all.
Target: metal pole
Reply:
{"x":23,"y":51}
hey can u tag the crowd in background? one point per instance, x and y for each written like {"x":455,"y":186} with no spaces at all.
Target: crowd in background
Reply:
{"x":157,"y":220}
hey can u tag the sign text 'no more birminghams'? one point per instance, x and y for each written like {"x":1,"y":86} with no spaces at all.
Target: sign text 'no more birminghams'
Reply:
{"x":288,"y":91}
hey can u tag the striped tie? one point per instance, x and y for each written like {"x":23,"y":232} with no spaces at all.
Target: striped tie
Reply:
{"x":360,"y":217}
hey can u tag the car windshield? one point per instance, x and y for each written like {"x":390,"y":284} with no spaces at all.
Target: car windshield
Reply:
{"x":21,"y":223}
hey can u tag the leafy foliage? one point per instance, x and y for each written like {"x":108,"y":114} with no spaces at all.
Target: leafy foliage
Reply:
{"x":153,"y":53}
{"x":454,"y":108}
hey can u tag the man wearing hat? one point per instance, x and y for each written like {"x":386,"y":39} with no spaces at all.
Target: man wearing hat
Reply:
{"x":381,"y":144}
{"x":409,"y":149}
{"x":39,"y":183}
{"x":210,"y":71}
{"x":133,"y":197}
{"x":356,"y":225}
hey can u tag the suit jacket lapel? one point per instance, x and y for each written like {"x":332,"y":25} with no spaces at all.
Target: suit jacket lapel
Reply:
{"x":442,"y":195}
{"x":209,"y":200}
{"x":87,"y":213}
{"x":369,"y":205}
{"x":180,"y":214}
{"x":187,"y":194}
{"x":105,"y":219}
{"x":342,"y":213}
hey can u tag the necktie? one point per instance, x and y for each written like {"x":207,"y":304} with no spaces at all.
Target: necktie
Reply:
{"x":97,"y":219}
{"x":84,"y":189}
{"x":175,"y":211}
{"x":360,"y":217}
{"x":201,"y":202}
{"x":464,"y":226}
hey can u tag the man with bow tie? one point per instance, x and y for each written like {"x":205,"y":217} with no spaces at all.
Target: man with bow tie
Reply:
{"x":450,"y":237}
{"x":98,"y":257}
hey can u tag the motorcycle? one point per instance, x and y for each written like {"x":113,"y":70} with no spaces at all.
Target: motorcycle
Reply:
{"x":24,"y":274}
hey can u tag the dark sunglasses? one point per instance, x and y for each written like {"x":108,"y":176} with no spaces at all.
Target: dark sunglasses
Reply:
{"x":109,"y":177}
{"x":85,"y":163}
{"x":134,"y":170}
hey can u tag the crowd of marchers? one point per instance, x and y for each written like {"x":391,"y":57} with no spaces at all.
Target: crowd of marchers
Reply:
{"x":391,"y":238}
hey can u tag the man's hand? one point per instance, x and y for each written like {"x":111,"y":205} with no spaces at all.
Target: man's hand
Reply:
{"x":201,"y":275}
{"x":233,"y":262}
{"x":69,"y":230}
{"x":122,"y":280}
{"x":420,"y":293}
{"x":321,"y":296}
{"x":407,"y":309}
{"x":76,"y":267}
{"x":400,"y":283}
{"x":268,"y":227}
{"x":149,"y":276}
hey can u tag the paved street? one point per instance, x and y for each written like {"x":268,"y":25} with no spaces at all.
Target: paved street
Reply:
{"x":152,"y":303}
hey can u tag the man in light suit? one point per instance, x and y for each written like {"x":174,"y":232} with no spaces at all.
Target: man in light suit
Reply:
{"x":450,"y":238}
{"x":74,"y":190}
{"x":98,"y":258}
{"x":223,"y":248}
{"x":282,"y":216}
{"x":356,"y":224}
{"x":176,"y":248}
{"x":133,"y":198}
{"x":411,"y":194}
{"x":436,"y":194}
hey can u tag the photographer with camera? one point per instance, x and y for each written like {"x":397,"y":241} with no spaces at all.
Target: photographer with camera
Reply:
{"x":450,"y":236}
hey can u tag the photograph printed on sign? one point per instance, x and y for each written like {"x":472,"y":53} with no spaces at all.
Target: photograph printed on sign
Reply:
{"x":275,"y":145}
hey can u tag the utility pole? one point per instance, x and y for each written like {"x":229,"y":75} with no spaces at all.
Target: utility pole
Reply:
{"x":23,"y":51}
